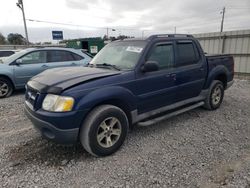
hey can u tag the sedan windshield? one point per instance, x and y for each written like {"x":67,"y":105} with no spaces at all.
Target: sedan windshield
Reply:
{"x":122,"y":55}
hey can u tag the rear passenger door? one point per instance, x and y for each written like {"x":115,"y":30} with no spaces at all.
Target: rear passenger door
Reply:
{"x":190,"y":70}
{"x":62,"y":58}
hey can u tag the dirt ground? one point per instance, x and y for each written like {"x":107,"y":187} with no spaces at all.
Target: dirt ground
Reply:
{"x":196,"y":149}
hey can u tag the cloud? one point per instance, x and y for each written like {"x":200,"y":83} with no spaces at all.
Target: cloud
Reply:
{"x":130,"y":17}
{"x":163,"y":15}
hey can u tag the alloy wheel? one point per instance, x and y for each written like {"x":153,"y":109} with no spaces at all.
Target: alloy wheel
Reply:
{"x":4,"y":89}
{"x":109,"y":132}
{"x":216,"y":95}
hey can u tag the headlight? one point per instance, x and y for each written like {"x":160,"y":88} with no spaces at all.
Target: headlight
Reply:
{"x":56,"y":103}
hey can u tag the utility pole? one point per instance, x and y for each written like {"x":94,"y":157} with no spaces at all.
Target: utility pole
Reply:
{"x":175,"y":30}
{"x":222,"y":20}
{"x":107,"y":33}
{"x":20,"y":5}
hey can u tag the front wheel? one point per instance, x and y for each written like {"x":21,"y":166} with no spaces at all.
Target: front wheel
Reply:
{"x":215,"y":95}
{"x":104,"y":130}
{"x":6,"y":87}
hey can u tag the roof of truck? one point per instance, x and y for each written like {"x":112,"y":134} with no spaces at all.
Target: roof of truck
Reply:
{"x":151,"y":37}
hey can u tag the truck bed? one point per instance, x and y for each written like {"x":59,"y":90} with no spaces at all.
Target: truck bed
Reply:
{"x":224,"y":59}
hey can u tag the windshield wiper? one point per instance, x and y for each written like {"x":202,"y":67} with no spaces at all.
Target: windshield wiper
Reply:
{"x":108,"y":65}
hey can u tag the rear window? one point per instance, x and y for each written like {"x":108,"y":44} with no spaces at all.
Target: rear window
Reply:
{"x":60,"y":56}
{"x":187,"y":54}
{"x":77,"y":57}
{"x":86,"y":53}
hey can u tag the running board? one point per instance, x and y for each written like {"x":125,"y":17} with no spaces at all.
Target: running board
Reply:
{"x":164,"y":117}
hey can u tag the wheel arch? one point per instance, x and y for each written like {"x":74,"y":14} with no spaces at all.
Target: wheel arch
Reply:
{"x":218,"y":73}
{"x":118,"y":103}
{"x":223,"y":78}
{"x":8,"y":78}
{"x":115,"y":95}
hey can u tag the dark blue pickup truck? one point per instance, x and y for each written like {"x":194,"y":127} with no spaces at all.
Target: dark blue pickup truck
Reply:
{"x":138,"y":81}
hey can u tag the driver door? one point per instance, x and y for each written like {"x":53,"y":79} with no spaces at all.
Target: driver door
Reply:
{"x":28,"y":66}
{"x":156,"y":89}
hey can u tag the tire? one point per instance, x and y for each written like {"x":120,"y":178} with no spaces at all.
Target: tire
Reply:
{"x":6,"y":87}
{"x":215,"y":95}
{"x":104,"y":130}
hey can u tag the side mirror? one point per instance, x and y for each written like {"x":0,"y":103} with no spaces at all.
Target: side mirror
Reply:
{"x":19,"y":61}
{"x":150,"y":66}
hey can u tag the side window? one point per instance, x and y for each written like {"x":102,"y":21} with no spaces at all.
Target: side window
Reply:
{"x":187,"y":54}
{"x":164,"y":55}
{"x":59,"y":56}
{"x":34,"y":57}
{"x":77,"y":57}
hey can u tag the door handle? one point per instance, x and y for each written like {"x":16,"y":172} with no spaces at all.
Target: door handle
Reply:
{"x":173,"y":76}
{"x":44,"y":66}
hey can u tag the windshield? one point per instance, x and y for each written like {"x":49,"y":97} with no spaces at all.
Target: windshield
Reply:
{"x":15,"y":56}
{"x":123,"y":54}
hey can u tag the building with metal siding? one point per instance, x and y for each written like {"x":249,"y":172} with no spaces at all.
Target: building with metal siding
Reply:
{"x":236,"y":43}
{"x":91,"y":45}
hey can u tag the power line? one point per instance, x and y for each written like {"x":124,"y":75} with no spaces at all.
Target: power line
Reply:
{"x":66,"y":24}
{"x":78,"y":25}
{"x":237,"y":7}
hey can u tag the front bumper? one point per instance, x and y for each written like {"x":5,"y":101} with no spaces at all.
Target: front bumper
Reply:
{"x":51,"y":132}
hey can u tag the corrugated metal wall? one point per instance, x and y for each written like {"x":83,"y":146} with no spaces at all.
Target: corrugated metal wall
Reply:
{"x":236,"y":43}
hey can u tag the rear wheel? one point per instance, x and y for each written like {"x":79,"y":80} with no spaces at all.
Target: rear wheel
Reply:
{"x":6,"y":87}
{"x":215,"y":95}
{"x":104,"y":130}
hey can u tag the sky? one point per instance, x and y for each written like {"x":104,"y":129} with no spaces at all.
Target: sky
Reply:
{"x":91,"y":18}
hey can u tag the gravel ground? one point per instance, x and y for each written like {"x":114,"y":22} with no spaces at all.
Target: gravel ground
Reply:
{"x":196,"y":149}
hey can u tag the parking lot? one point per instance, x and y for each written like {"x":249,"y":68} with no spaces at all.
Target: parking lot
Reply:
{"x":196,"y":149}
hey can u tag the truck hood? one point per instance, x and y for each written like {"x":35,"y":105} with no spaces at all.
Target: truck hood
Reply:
{"x":58,"y":79}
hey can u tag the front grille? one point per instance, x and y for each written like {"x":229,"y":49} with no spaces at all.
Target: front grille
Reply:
{"x":31,"y":97}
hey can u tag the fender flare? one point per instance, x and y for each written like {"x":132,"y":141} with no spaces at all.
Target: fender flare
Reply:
{"x":98,"y":96}
{"x":218,"y":70}
{"x":8,"y":77}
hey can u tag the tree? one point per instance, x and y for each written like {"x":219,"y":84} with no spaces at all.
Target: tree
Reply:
{"x":47,"y":43}
{"x":2,"y":39}
{"x":16,"y":38}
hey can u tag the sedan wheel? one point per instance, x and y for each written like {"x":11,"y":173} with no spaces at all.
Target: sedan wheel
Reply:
{"x":6,"y":87}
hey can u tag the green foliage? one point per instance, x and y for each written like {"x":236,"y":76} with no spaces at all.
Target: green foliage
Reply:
{"x":120,"y":37}
{"x":2,"y":39}
{"x":16,"y":39}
